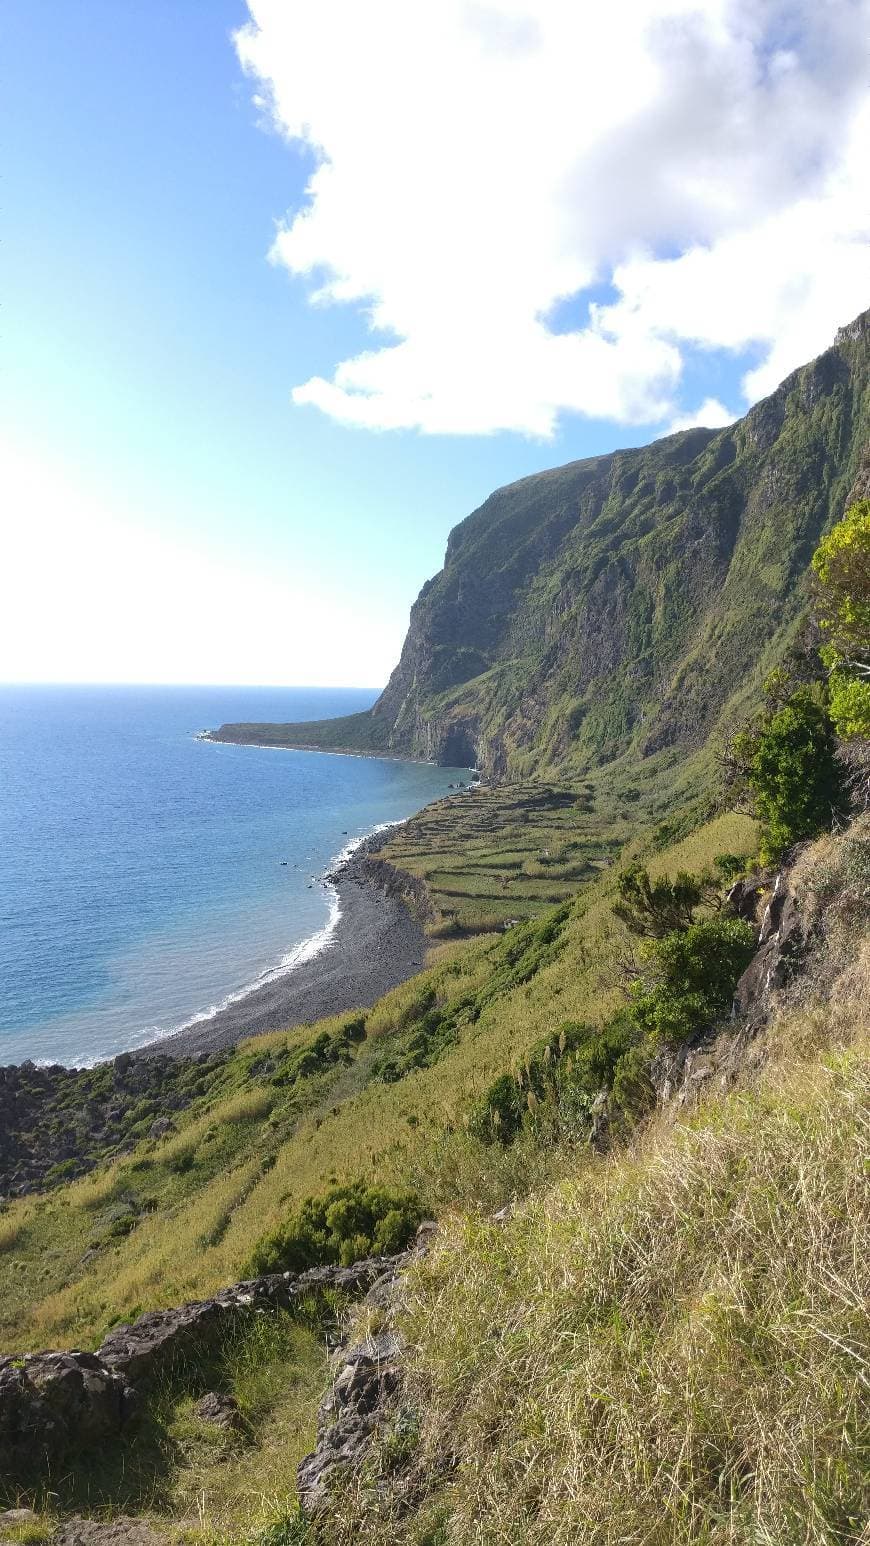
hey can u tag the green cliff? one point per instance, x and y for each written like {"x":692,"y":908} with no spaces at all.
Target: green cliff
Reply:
{"x":614,"y":605}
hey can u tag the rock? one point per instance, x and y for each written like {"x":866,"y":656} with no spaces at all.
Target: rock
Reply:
{"x":161,"y":1127}
{"x":106,"y":1532}
{"x":366,"y":1382}
{"x":425,"y":1236}
{"x":52,"y":1404}
{"x":17,"y":1516}
{"x":780,"y":944}
{"x":743,"y":897}
{"x":221,"y":1410}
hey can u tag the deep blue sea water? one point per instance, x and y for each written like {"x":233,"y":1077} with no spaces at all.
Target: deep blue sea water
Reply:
{"x":141,"y":881}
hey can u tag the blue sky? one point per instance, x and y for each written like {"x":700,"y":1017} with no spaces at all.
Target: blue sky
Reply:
{"x":178,"y":515}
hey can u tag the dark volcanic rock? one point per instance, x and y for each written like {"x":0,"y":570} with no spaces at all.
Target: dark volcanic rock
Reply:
{"x":54,"y":1403}
{"x":366,"y":1382}
{"x":57,"y":1123}
{"x":220,"y":1409}
{"x":780,"y":945}
{"x":363,"y":1395}
{"x":161,"y":1339}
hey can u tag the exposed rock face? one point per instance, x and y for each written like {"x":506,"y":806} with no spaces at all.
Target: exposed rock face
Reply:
{"x":53,"y":1403}
{"x":722,"y":1057}
{"x":366,"y":1381}
{"x":780,"y":944}
{"x":364,"y":1392}
{"x":161,"y":1338}
{"x":106,"y":1532}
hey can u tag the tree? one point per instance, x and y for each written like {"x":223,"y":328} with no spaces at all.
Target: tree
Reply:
{"x":787,"y":758}
{"x":652,"y":908}
{"x":841,"y":565}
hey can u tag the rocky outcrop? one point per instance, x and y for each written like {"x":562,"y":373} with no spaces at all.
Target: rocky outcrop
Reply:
{"x":725,"y":1056}
{"x":161,"y":1340}
{"x":365,"y":1382}
{"x":364,"y":1390}
{"x":57,"y":1123}
{"x":780,"y":944}
{"x":53,"y":1405}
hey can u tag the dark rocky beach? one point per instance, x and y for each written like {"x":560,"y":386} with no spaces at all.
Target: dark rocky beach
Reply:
{"x":376,"y":945}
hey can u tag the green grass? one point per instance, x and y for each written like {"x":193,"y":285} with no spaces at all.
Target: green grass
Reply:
{"x":268,"y":1139}
{"x":668,"y":1347}
{"x":664,"y":1345}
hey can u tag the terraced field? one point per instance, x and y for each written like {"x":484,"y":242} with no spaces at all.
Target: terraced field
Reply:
{"x":492,"y":855}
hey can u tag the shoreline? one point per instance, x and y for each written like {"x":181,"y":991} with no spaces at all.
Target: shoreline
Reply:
{"x":323,"y":751}
{"x":374,"y":945}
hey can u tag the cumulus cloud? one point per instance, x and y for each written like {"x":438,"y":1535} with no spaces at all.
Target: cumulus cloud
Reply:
{"x":480,"y":161}
{"x":710,"y":415}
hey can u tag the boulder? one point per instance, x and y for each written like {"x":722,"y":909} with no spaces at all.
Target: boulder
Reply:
{"x":221,"y":1410}
{"x":52,"y":1404}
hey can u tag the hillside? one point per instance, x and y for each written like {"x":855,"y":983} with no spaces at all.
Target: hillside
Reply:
{"x":612,"y":605}
{"x":563,"y":1240}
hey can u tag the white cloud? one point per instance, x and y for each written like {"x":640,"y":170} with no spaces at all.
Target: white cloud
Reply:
{"x":479,"y":162}
{"x":710,"y":415}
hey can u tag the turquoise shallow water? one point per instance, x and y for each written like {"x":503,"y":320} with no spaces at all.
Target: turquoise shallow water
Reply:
{"x":141,"y":882}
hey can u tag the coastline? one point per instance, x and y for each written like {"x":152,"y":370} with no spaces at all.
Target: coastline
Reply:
{"x":374,"y":946}
{"x":213,"y":739}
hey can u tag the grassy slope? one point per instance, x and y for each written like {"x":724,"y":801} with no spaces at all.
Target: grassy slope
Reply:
{"x":662,"y":1346}
{"x":669,"y":1347}
{"x":203,"y":1195}
{"x":669,"y":1344}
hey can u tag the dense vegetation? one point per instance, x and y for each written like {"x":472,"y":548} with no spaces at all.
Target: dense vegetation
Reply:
{"x":343,"y":1225}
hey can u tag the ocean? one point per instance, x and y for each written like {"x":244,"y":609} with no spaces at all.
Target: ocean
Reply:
{"x":147,"y":877}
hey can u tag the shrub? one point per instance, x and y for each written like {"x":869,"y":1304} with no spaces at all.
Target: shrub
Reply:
{"x":655,"y":907}
{"x":344,"y":1225}
{"x":850,"y":705}
{"x":788,"y":760}
{"x":560,"y":1079}
{"x":689,"y":978}
{"x":841,"y":564}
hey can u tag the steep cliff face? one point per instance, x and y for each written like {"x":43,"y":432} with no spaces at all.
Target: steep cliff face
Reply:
{"x":620,"y":603}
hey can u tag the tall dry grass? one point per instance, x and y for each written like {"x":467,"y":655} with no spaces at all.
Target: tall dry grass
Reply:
{"x":670,"y":1346}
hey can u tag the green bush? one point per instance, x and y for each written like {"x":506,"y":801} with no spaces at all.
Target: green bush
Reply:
{"x":689,"y":978}
{"x":655,"y":907}
{"x":841,"y":565}
{"x":850,"y":705}
{"x":788,"y":760}
{"x":559,"y":1080}
{"x":342,"y":1226}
